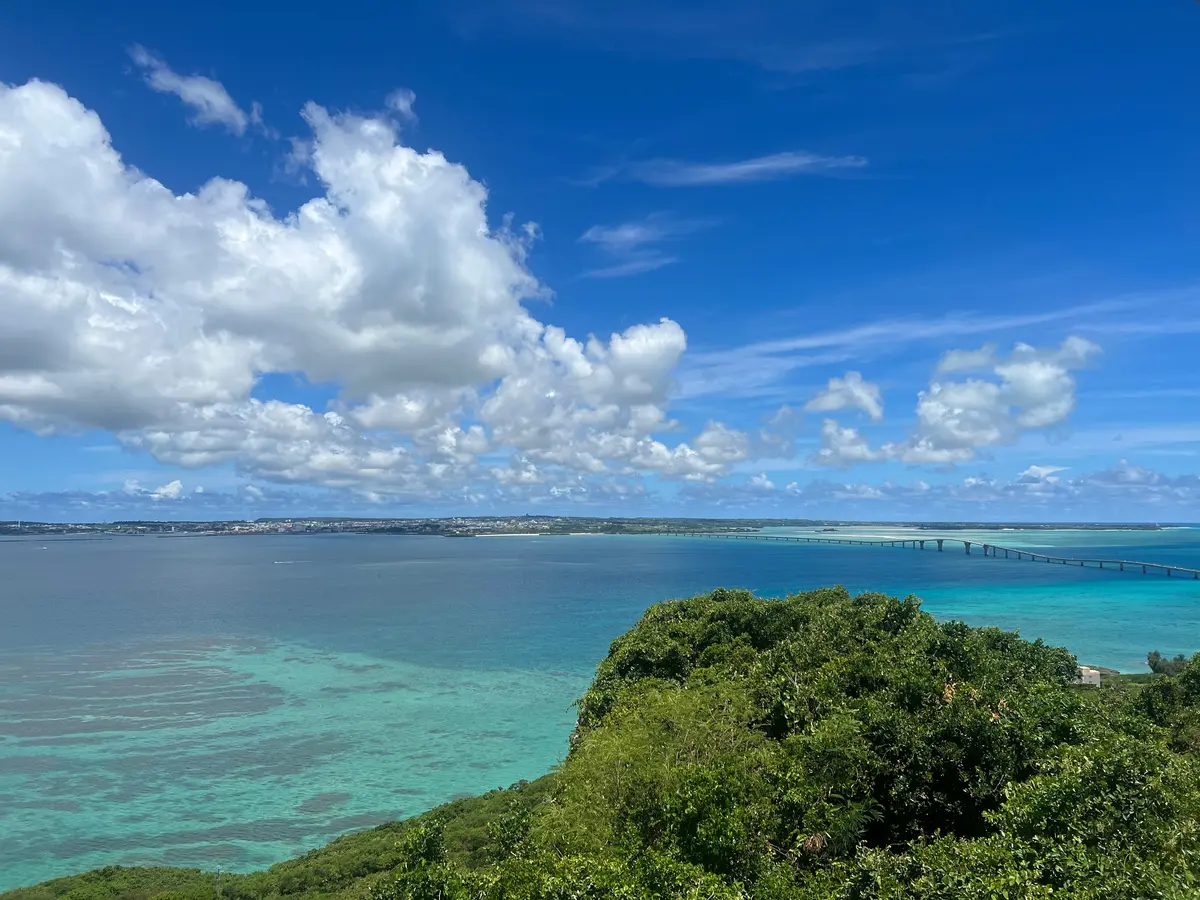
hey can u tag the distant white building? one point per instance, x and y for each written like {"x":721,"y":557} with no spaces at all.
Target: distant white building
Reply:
{"x":1089,"y":675}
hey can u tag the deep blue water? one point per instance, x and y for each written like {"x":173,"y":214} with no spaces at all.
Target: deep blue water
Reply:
{"x":233,"y":701}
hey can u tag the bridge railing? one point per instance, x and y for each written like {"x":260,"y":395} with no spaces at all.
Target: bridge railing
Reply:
{"x":1120,"y":565}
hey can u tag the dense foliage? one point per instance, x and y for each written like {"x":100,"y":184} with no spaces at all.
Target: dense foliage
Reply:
{"x":1161,"y":665}
{"x":820,"y":747}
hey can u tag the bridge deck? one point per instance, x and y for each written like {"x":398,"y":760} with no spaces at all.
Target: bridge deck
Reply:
{"x":1121,"y":565}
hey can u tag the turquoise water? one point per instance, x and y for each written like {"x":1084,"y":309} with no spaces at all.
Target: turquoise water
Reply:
{"x":234,"y":701}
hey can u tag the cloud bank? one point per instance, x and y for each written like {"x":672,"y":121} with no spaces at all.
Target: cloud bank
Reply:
{"x":152,"y":315}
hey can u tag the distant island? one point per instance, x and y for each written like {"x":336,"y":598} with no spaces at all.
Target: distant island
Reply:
{"x":475,"y":526}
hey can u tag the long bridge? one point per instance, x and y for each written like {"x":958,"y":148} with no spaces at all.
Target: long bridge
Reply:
{"x":994,"y":550}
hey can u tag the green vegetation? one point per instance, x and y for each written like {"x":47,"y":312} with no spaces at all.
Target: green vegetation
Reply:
{"x":820,"y":747}
{"x":346,"y":868}
{"x":1160,"y":665}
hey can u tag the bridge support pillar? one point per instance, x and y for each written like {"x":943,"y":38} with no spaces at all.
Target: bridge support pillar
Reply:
{"x":922,"y":545}
{"x":939,"y":545}
{"x":967,"y":547}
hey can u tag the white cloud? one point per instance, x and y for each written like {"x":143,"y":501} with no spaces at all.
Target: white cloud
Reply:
{"x":1040,"y":473}
{"x":1124,"y":492}
{"x":844,"y":447}
{"x":171,"y":491}
{"x":591,"y":406}
{"x":761,"y":482}
{"x":628,"y":236}
{"x":209,"y":101}
{"x":678,"y":173}
{"x":955,"y":419}
{"x":721,"y":445}
{"x":968,"y":360}
{"x":1035,"y":390}
{"x":758,"y":368}
{"x":635,"y":265}
{"x":850,"y":392}
{"x":126,"y":307}
{"x":633,"y":246}
{"x":400,"y":101}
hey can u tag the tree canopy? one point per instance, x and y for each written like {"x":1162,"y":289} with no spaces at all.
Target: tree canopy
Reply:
{"x":1161,"y":665}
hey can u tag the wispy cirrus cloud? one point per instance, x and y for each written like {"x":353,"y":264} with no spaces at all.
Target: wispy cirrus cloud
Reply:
{"x":796,"y":39}
{"x":207,"y":98}
{"x":634,"y":247}
{"x":637,"y":265}
{"x":772,"y":167}
{"x":749,"y":369}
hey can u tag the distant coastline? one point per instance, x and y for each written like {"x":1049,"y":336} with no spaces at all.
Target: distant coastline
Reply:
{"x":480,"y":526}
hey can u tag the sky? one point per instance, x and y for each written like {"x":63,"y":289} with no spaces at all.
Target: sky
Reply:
{"x":873,"y":260}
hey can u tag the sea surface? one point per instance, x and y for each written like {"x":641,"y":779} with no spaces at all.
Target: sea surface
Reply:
{"x":233,"y":701}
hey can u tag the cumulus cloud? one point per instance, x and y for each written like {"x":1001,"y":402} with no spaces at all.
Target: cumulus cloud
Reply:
{"x":761,"y":482}
{"x":1031,"y":389}
{"x":150,"y":314}
{"x":171,"y":491}
{"x":967,"y":360}
{"x":850,"y":392}
{"x":208,"y":100}
{"x":844,"y":447}
{"x":1035,"y":390}
{"x":1040,"y":473}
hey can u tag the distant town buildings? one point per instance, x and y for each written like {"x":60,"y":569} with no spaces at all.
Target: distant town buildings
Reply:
{"x":456,"y":526}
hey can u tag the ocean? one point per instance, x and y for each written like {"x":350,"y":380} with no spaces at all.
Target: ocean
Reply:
{"x":231,"y":702}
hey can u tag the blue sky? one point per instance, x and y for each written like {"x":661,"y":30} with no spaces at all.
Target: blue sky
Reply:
{"x":867,"y":260}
